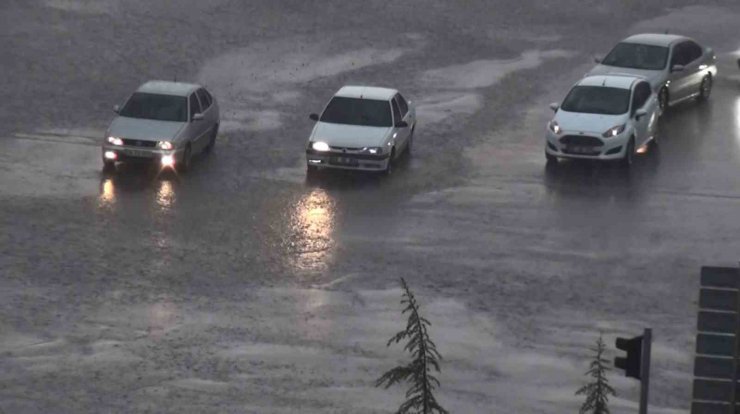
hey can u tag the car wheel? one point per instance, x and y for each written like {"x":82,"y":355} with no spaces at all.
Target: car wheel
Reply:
{"x":663,"y":99}
{"x":187,"y":159}
{"x":109,"y":166}
{"x":212,"y":139}
{"x":551,"y":159}
{"x":410,"y":144}
{"x":311,"y":169}
{"x":389,"y":167}
{"x":705,"y":89}
{"x":629,"y":154}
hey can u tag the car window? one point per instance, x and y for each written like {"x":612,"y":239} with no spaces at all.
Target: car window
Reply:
{"x":402,"y":104}
{"x":155,"y":106}
{"x":205,"y":102}
{"x":357,"y":111}
{"x":680,"y":55}
{"x":640,"y":96}
{"x":397,"y":117}
{"x":637,"y":56}
{"x":194,"y":106}
{"x":597,"y":100}
{"x":693,"y":51}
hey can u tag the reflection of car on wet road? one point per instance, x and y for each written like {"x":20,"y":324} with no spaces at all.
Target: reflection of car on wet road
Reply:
{"x":362,"y":128}
{"x":677,"y":67}
{"x":603,"y":117}
{"x":165,"y":122}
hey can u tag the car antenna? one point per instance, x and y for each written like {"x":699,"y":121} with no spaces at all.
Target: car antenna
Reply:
{"x":604,"y":82}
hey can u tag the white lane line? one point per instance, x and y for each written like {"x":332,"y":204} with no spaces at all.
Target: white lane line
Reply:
{"x":61,"y":139}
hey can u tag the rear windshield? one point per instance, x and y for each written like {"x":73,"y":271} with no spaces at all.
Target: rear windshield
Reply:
{"x":637,"y":56}
{"x":355,"y":111}
{"x":597,"y":100}
{"x":155,"y":106}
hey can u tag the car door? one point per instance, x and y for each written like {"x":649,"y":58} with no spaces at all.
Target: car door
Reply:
{"x":196,"y":129}
{"x":400,"y":134}
{"x":209,"y":113}
{"x":679,"y":82}
{"x":694,"y":67}
{"x":640,"y":96}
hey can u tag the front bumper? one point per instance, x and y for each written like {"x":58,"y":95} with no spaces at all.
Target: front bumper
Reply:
{"x":588,"y":147}
{"x":138,"y":154}
{"x":347,"y":161}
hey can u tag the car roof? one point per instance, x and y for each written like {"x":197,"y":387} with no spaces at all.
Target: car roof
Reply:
{"x":655,"y":39}
{"x":168,"y":88}
{"x":612,"y":80}
{"x":367,"y":92}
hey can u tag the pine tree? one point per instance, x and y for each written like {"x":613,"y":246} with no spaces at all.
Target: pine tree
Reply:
{"x":597,"y":392}
{"x":419,"y":397}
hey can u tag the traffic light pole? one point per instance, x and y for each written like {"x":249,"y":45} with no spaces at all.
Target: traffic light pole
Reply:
{"x":647,"y":339}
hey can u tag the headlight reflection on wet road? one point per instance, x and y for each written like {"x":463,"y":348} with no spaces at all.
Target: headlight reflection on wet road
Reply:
{"x":311,"y":230}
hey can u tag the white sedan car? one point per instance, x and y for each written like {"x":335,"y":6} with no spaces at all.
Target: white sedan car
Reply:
{"x":677,"y":67}
{"x":164,"y":122}
{"x":604,"y":118}
{"x":361,"y":128}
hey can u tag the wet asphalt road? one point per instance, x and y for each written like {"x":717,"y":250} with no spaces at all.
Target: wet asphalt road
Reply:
{"x":242,"y":287}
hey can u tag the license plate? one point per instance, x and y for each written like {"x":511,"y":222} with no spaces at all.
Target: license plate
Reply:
{"x":137,"y":153}
{"x":345,"y":161}
{"x":581,"y":150}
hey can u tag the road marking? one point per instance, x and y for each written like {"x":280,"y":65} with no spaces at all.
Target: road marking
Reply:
{"x":61,"y":139}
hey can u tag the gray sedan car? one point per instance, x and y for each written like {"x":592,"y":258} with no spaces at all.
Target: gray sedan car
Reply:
{"x":677,"y":67}
{"x":163,"y":122}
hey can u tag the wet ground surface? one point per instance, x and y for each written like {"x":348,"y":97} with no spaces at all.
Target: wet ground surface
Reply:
{"x":242,"y":287}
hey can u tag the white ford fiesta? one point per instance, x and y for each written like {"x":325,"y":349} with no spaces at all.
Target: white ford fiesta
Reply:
{"x":606,"y":117}
{"x":361,"y":128}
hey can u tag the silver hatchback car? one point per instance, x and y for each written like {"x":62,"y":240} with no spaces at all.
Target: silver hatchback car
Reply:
{"x":677,"y":67}
{"x":164,"y":122}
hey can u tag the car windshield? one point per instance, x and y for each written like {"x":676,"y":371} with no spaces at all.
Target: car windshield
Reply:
{"x":155,"y":106}
{"x":597,"y":100}
{"x":637,"y":56}
{"x":354,"y":111}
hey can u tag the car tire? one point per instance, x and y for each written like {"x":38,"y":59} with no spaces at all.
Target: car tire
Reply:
{"x":551,"y":159}
{"x":705,"y":88}
{"x":187,"y":160}
{"x":212,"y":139}
{"x":663,"y":99}
{"x":629,"y":154}
{"x":311,"y":170}
{"x":109,"y":166}
{"x":389,"y":167}
{"x":410,"y":144}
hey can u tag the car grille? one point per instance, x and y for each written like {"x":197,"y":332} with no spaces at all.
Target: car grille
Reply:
{"x":581,"y":140}
{"x":348,"y":150}
{"x":139,"y":143}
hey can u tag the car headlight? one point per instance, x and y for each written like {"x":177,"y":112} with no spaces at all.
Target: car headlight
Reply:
{"x":115,"y":140}
{"x":554,"y":127}
{"x":320,"y":146}
{"x":373,"y":150}
{"x":613,"y":131}
{"x":165,"y":145}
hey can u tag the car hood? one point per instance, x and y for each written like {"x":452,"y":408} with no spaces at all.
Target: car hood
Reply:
{"x":342,"y":135}
{"x":144,"y":129}
{"x":655,"y":77}
{"x":590,"y":123}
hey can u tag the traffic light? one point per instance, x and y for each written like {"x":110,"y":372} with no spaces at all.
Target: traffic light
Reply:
{"x":630,"y":364}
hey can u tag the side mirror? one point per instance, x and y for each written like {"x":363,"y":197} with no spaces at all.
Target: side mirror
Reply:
{"x":677,"y":68}
{"x":554,"y":106}
{"x":402,"y":124}
{"x":116,"y":108}
{"x":314,"y":117}
{"x":640,"y":113}
{"x":738,"y":63}
{"x":597,"y":59}
{"x":198,"y":117}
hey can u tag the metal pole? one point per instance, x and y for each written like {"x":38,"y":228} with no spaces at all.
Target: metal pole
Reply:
{"x":647,"y":339}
